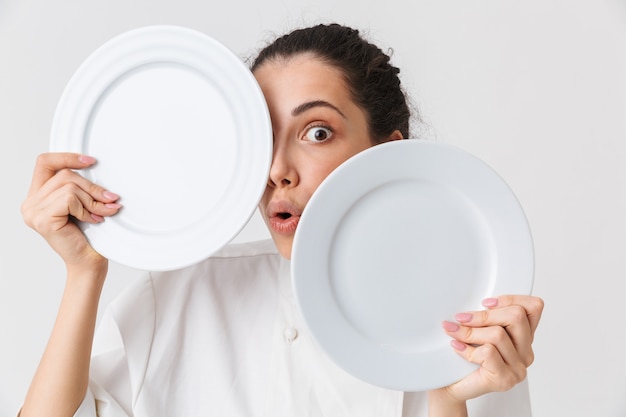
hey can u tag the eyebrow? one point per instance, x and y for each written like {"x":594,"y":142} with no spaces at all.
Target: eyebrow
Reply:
{"x":312,"y":104}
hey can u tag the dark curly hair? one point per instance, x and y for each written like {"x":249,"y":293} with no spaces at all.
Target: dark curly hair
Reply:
{"x":371,"y":79}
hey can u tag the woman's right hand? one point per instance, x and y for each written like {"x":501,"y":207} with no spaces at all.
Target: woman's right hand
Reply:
{"x":59,"y":195}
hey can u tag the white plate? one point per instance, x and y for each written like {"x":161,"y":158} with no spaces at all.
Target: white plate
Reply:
{"x":181,"y":132}
{"x":397,"y":239}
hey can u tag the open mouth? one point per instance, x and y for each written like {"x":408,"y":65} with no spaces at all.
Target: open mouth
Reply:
{"x":283,"y":217}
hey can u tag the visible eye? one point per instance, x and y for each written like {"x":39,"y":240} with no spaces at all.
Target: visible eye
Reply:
{"x":318,"y":134}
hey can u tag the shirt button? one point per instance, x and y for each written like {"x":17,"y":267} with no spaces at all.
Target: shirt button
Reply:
{"x":291,"y":334}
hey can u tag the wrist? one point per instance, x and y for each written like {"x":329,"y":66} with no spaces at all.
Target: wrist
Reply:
{"x":441,"y":403}
{"x":88,"y":274}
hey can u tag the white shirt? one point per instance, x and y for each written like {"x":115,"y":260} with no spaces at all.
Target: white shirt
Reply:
{"x":224,"y":337}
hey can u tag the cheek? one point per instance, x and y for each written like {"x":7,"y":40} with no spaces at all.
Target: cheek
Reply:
{"x":318,"y":172}
{"x":265,"y":198}
{"x":315,"y":179}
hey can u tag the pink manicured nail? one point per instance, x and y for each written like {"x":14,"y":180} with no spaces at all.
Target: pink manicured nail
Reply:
{"x":110,"y":196}
{"x":450,"y":327}
{"x":490,"y":302}
{"x":460,"y":346}
{"x":85,"y":159}
{"x":113,"y":205}
{"x":463,"y":317}
{"x":97,"y":218}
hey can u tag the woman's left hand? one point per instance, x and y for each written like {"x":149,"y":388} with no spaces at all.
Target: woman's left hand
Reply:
{"x":499,"y":339}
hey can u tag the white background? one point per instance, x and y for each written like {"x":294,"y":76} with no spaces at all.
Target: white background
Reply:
{"x":537,"y":89}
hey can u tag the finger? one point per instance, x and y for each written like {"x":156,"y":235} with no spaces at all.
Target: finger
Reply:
{"x":512,"y":319}
{"x":67,"y":176}
{"x":494,"y":373}
{"x":67,"y":198}
{"x":495,"y":336}
{"x":52,"y":214}
{"x":532,"y":305}
{"x":71,"y":200}
{"x":84,"y":207}
{"x":48,"y":164}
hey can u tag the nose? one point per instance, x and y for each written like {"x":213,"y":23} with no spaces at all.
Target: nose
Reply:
{"x":283,"y":171}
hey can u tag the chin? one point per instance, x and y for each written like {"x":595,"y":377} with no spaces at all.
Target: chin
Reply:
{"x":284,"y":246}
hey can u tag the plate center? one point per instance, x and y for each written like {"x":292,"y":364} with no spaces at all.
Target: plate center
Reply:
{"x":153,"y":123}
{"x":406,"y":256}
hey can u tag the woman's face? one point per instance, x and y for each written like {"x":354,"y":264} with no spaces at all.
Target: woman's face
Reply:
{"x":316,"y":127}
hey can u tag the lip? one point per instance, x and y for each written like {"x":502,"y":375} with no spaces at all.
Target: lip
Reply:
{"x":283,"y":217}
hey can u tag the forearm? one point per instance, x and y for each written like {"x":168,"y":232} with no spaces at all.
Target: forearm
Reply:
{"x":442,"y":404}
{"x":61,"y":380}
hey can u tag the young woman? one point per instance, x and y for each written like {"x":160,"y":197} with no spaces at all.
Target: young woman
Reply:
{"x":224,"y":337}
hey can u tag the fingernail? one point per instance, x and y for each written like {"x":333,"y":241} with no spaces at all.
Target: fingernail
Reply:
{"x":113,"y":205}
{"x":86,"y":159}
{"x":463,"y":317}
{"x":97,"y":218}
{"x":110,"y":196}
{"x":450,"y":327}
{"x":490,"y":302}
{"x":460,"y":346}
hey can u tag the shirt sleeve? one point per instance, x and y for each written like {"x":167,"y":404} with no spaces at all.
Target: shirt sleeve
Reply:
{"x":108,"y":394}
{"x":120,"y":353}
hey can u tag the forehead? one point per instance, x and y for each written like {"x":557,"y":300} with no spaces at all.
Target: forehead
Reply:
{"x":301,"y":78}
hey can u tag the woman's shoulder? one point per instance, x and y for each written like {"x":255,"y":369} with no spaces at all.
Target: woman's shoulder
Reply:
{"x":235,"y":269}
{"x":237,"y":265}
{"x":247,"y":249}
{"x":234,"y":259}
